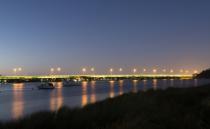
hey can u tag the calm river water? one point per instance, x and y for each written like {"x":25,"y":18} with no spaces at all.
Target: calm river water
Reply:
{"x":18,"y":100}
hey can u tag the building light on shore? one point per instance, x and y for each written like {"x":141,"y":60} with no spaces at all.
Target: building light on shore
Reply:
{"x":164,"y":70}
{"x":120,"y":69}
{"x":195,"y":72}
{"x":181,"y":70}
{"x":171,"y":71}
{"x":186,"y":71}
{"x":144,"y":70}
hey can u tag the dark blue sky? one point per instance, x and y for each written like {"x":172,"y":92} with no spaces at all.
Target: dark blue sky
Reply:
{"x":39,"y":34}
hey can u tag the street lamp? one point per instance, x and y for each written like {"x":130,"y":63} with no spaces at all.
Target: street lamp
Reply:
{"x":111,"y":71}
{"x":120,"y":70}
{"x":15,"y":70}
{"x":154,"y":70}
{"x":19,"y":69}
{"x":52,"y":70}
{"x":134,"y":70}
{"x":58,"y":69}
{"x":84,"y":71}
{"x":92,"y":70}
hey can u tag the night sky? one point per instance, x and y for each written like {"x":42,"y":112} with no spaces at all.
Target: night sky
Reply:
{"x":39,"y":34}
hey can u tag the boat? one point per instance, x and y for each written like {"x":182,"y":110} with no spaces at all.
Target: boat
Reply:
{"x":46,"y":86}
{"x":71,"y":83}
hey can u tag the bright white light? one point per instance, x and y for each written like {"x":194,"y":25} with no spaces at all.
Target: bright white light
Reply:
{"x":15,"y":69}
{"x":84,"y":70}
{"x":92,"y":69}
{"x":195,"y":72}
{"x":154,"y":70}
{"x":58,"y":69}
{"x":134,"y":70}
{"x":111,"y":70}
{"x":19,"y":69}
{"x":52,"y":70}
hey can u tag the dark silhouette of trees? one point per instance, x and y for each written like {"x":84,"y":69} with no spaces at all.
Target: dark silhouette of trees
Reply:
{"x":204,"y":74}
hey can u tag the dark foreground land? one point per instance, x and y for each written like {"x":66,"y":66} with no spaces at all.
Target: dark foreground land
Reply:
{"x":170,"y":109}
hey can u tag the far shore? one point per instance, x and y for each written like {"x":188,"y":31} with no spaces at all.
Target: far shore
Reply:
{"x":57,"y":78}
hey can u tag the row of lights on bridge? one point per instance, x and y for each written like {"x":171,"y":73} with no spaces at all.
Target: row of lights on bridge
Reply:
{"x":16,"y":70}
{"x":55,"y":69}
{"x":111,"y":70}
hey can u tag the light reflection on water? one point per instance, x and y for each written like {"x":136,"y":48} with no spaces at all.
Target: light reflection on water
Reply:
{"x":93,"y":94}
{"x":120,"y":87}
{"x":135,"y":90}
{"x":56,"y":97}
{"x":21,"y":99}
{"x":111,"y":92}
{"x":84,"y":94}
{"x":144,"y":85}
{"x":18,"y":100}
{"x":154,"y":84}
{"x":171,"y":82}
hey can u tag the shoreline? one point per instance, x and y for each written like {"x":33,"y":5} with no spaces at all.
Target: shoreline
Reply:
{"x":22,"y":79}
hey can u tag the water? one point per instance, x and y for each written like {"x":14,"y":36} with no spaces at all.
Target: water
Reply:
{"x":18,"y":100}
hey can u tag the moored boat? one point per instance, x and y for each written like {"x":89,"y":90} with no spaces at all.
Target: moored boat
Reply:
{"x":71,"y":83}
{"x":46,"y":86}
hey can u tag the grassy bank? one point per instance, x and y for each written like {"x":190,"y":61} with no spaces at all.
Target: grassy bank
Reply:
{"x":170,"y":109}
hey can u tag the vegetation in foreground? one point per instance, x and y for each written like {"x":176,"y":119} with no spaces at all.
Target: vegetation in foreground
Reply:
{"x":170,"y":109}
{"x":204,"y":74}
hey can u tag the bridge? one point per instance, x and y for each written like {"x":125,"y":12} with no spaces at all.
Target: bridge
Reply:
{"x":90,"y":77}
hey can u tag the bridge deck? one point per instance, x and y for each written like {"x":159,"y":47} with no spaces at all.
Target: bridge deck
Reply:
{"x":98,"y":76}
